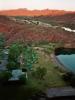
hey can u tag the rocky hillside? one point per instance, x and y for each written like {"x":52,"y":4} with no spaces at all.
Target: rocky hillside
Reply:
{"x":33,"y":33}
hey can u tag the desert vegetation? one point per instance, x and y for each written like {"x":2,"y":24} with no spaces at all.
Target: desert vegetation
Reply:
{"x":32,"y":33}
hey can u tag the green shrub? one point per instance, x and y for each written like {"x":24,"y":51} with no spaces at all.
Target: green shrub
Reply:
{"x":39,"y":73}
{"x":5,"y":75}
{"x":12,"y":65}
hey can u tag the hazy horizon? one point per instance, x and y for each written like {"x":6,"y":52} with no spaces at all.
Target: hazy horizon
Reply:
{"x":34,"y":9}
{"x":67,"y":5}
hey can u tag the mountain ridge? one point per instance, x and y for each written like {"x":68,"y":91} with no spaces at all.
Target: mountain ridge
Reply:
{"x":26,"y":12}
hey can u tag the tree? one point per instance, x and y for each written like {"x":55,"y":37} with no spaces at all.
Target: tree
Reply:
{"x":30,"y":57}
{"x":2,"y":44}
{"x":14,"y":53}
{"x":2,"y":41}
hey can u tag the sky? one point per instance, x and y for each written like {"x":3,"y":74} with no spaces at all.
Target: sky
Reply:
{"x":38,"y":4}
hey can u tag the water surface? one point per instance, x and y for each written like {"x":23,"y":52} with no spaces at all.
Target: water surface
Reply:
{"x":68,"y":61}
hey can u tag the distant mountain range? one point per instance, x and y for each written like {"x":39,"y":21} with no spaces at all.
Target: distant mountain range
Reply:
{"x":26,"y":12}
